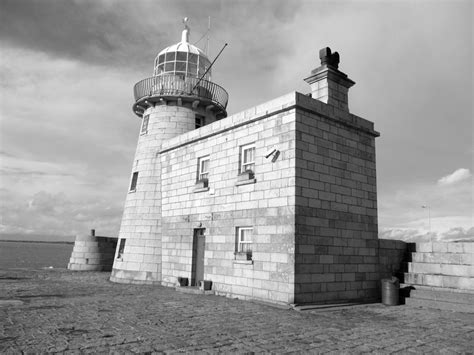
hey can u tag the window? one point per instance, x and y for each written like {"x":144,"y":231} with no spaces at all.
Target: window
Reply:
{"x":247,"y":158}
{"x":182,"y":63}
{"x":199,"y":121}
{"x":170,"y":56}
{"x":182,"y":56}
{"x":244,"y":240}
{"x":181,"y":67}
{"x":133,"y":185}
{"x":121,"y":248}
{"x":169,"y":66}
{"x":145,"y":124}
{"x":203,"y":169}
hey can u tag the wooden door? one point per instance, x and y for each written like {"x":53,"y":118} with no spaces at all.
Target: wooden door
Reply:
{"x":197,"y":273}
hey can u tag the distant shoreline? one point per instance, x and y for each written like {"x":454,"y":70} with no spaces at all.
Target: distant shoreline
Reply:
{"x":34,"y":241}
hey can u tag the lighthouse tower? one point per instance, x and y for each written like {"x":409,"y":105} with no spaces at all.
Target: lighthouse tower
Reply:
{"x":178,"y":98}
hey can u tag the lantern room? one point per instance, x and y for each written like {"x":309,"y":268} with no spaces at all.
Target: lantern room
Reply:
{"x":181,"y":75}
{"x":183,"y":59}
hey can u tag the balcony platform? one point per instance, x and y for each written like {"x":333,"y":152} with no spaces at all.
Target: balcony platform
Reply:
{"x":179,"y":88}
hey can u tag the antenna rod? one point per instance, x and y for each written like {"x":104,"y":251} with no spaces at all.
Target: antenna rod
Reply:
{"x":210,"y":66}
{"x":208,"y":33}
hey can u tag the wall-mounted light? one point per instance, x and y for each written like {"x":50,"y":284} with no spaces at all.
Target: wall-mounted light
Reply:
{"x":274,"y":153}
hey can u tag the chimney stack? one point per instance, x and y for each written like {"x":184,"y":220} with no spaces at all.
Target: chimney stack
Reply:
{"x":328,"y":84}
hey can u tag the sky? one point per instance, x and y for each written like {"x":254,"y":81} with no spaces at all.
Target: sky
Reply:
{"x":67,"y":70}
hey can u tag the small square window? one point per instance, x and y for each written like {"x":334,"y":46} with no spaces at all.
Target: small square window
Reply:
{"x":203,"y":168}
{"x":181,"y":56}
{"x":181,"y":66}
{"x":145,"y":124}
{"x":192,"y":69}
{"x":169,"y":66}
{"x":193,"y":58}
{"x":247,"y":158}
{"x":244,"y":243}
{"x":199,"y":121}
{"x":133,"y":185}
{"x":121,"y":248}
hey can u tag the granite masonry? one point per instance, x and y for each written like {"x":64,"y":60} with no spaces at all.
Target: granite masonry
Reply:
{"x":276,"y":203}
{"x":92,"y":253}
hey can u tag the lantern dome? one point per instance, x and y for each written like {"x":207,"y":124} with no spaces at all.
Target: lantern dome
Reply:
{"x":182,"y":75}
{"x":182,"y":59}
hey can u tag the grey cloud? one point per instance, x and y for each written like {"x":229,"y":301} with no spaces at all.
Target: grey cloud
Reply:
{"x":126,"y":33}
{"x":8,"y":154}
{"x":91,"y":31}
{"x":415,"y":235}
{"x":18,"y":172}
{"x":47,"y":213}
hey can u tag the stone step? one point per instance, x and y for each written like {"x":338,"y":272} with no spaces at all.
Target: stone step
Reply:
{"x":193,"y":290}
{"x":447,"y":281}
{"x":448,"y":306}
{"x":441,"y":269}
{"x":452,"y":247}
{"x":438,"y":294}
{"x":443,"y":258}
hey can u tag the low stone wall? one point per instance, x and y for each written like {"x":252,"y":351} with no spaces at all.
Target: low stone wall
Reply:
{"x":447,"y":265}
{"x":92,"y":253}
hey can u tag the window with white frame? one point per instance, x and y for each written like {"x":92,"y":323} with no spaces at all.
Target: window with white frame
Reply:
{"x":145,"y":124}
{"x":244,"y":240}
{"x":247,"y":158}
{"x":203,"y":168}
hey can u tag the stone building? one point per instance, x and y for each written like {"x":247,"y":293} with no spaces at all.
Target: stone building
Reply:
{"x":276,"y":203}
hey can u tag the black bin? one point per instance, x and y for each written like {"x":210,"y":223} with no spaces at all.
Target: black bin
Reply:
{"x":390,"y":291}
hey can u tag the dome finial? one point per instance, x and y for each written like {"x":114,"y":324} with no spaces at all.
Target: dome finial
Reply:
{"x":185,"y":34}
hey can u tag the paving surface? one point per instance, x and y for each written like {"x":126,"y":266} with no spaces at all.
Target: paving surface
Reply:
{"x":81,"y":312}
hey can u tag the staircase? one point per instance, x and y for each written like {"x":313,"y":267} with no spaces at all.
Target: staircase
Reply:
{"x":440,"y":275}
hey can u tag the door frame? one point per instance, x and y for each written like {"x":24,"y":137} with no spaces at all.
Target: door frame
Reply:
{"x":198,"y":251}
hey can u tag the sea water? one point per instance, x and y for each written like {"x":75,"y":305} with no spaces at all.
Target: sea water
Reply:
{"x":34,"y":255}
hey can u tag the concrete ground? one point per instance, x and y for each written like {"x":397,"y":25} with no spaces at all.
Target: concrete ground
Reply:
{"x":81,"y":312}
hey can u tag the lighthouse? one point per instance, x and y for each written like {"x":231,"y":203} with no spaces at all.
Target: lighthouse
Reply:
{"x":179,"y":97}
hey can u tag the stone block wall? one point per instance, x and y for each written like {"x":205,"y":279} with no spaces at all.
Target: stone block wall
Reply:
{"x":265,"y":203}
{"x":141,"y":221}
{"x":442,"y":265}
{"x":336,"y":255}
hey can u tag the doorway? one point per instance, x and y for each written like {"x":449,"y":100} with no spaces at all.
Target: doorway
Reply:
{"x":197,"y":270}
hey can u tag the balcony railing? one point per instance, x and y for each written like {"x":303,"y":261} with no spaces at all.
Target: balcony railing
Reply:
{"x":181,"y":86}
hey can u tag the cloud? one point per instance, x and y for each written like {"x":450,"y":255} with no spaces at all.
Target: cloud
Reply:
{"x":451,"y":207}
{"x":457,"y":176}
{"x":77,"y":133}
{"x":416,"y":235}
{"x":97,"y":32}
{"x":67,"y":70}
{"x":58,"y":214}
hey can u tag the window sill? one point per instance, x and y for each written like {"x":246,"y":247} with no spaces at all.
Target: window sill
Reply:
{"x":132,"y":191}
{"x":245,"y":262}
{"x":245,"y":182}
{"x":143,"y":133}
{"x":200,"y":189}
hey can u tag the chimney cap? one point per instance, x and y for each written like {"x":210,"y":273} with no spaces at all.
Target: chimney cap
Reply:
{"x":328,"y":58}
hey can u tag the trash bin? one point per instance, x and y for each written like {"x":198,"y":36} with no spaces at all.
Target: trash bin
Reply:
{"x":390,"y":291}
